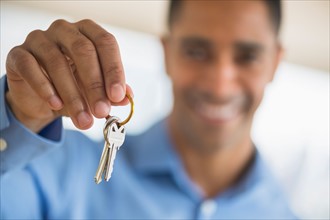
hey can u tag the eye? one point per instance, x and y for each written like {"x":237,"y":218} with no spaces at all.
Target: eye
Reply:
{"x":196,"y":53}
{"x":246,"y":57}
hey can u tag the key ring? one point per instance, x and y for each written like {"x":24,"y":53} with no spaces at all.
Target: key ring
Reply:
{"x":110,"y":118}
{"x":130,"y":114}
{"x":131,"y":111}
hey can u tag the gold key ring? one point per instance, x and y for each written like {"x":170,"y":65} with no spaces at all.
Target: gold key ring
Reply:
{"x":130,"y":114}
{"x":131,"y":111}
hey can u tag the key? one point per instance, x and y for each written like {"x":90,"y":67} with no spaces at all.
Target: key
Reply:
{"x":116,"y":137}
{"x":104,"y":156}
{"x":102,"y":164}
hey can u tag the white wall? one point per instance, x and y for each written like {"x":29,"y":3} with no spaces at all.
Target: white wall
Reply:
{"x":291,"y":127}
{"x":305,"y":30}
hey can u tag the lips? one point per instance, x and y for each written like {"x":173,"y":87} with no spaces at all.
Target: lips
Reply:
{"x":217,"y":113}
{"x":217,"y":110}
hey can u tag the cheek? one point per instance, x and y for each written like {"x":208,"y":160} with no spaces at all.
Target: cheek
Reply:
{"x":182,"y":77}
{"x":257,"y":92}
{"x":254,"y":89}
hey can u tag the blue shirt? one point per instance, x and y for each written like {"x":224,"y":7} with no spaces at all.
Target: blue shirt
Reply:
{"x":51,"y":176}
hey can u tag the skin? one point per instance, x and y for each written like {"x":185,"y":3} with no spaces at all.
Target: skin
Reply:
{"x":220,"y":55}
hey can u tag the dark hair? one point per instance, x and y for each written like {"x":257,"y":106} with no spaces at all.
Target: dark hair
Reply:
{"x":274,"y":7}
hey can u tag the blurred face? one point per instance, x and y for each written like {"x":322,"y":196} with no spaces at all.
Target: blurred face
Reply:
{"x":219,"y":55}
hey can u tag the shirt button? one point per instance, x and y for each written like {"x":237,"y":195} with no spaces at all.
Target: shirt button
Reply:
{"x":208,"y":208}
{"x":3,"y":144}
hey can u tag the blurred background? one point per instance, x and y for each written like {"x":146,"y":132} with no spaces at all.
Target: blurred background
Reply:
{"x":291,"y":126}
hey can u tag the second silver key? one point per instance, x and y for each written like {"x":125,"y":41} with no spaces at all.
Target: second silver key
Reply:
{"x":116,"y":137}
{"x":105,"y":153}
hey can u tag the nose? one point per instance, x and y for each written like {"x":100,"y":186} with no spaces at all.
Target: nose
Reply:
{"x":222,"y":78}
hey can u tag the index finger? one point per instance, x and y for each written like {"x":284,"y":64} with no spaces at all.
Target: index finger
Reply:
{"x":109,"y":58}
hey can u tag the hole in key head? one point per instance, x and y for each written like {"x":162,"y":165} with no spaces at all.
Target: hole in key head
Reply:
{"x":120,"y":128}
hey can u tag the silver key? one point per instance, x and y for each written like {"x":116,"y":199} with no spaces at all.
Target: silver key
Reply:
{"x":102,"y":164}
{"x":116,"y":137}
{"x":104,"y":156}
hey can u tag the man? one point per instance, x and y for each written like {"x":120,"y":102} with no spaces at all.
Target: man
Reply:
{"x":199,"y":163}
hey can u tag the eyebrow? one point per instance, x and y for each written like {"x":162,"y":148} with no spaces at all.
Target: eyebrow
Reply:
{"x":239,"y":45}
{"x":196,"y":41}
{"x":248,"y":46}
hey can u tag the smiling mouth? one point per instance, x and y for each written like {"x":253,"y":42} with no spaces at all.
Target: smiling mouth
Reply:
{"x":217,"y":110}
{"x":220,"y":113}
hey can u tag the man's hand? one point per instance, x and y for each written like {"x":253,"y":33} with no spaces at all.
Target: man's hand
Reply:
{"x":71,"y":69}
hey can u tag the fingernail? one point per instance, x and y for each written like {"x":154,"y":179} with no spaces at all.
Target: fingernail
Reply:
{"x":55,"y":102}
{"x":83,"y":119}
{"x":101,"y":109}
{"x":117,"y":93}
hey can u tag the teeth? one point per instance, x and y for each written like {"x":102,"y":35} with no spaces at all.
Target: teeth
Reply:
{"x":216,"y":112}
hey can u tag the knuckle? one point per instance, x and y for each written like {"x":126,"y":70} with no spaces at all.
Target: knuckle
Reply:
{"x":44,"y":90}
{"x":40,"y":46}
{"x":86,"y":22}
{"x":18,"y":58}
{"x":83,"y":47}
{"x":115,"y":75}
{"x":58,"y":24}
{"x":50,"y":55}
{"x":75,"y":103}
{"x":15,"y":53}
{"x":47,"y":48}
{"x":105,"y":39}
{"x":62,"y":27}
{"x":32,"y":36}
{"x":95,"y":85}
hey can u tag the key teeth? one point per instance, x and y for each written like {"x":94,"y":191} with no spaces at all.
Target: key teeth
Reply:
{"x":97,"y":181}
{"x":114,"y":137}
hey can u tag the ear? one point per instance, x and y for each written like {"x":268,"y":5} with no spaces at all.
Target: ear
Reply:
{"x":277,"y":59}
{"x":165,"y":42}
